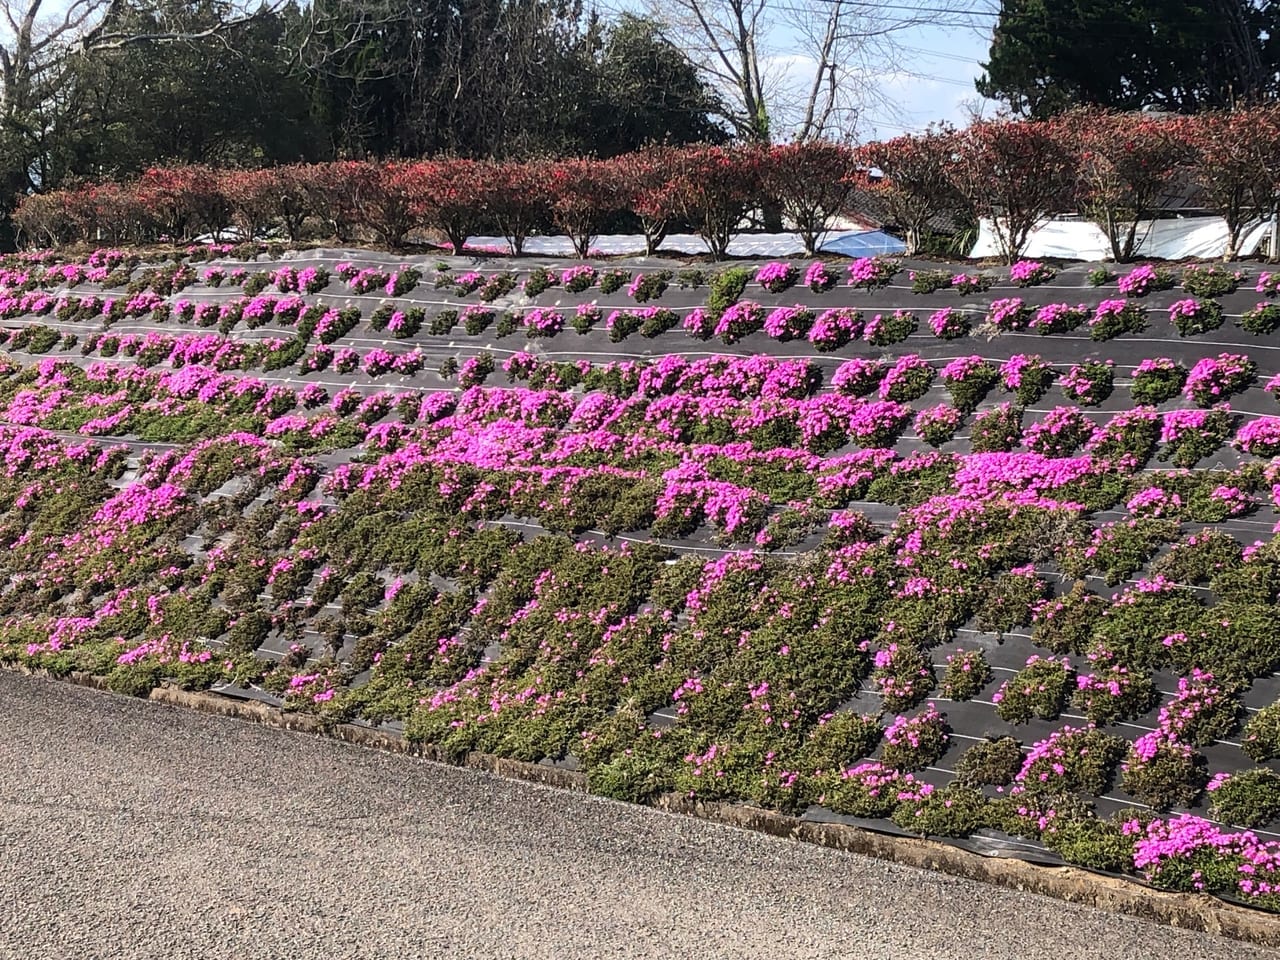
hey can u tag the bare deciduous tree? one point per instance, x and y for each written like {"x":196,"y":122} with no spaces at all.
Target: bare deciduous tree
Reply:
{"x":797,"y":69}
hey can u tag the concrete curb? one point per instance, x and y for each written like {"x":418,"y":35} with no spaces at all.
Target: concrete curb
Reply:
{"x":1074,"y":885}
{"x":1199,"y":912}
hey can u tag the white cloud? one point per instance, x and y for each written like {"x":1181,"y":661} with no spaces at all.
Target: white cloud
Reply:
{"x":932,"y":80}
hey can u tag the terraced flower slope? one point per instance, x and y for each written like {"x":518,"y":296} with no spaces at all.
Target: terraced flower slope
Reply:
{"x":981,"y":555}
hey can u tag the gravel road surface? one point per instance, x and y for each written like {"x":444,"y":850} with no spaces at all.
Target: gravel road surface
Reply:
{"x":130,"y":829}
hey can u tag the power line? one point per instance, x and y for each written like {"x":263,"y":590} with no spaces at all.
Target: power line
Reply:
{"x":942,"y":56}
{"x":919,"y":9}
{"x":929,"y":15}
{"x":949,"y":81}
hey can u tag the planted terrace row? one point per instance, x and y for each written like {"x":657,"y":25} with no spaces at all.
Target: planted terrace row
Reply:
{"x":768,"y":405}
{"x":121,"y":270}
{"x":1154,"y":380}
{"x":827,"y":331}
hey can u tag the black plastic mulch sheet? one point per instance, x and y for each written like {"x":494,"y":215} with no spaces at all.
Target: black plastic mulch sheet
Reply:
{"x":970,"y":721}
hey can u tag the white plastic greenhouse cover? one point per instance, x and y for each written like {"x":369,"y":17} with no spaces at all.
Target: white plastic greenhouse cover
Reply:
{"x":857,"y":243}
{"x":1177,"y":239}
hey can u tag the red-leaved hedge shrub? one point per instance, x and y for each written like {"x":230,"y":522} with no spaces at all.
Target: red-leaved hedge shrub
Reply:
{"x":333,"y":192}
{"x":1230,"y":153}
{"x":582,"y":193}
{"x":648,"y":191}
{"x":1017,"y":175}
{"x":813,"y":182}
{"x":1127,"y":164}
{"x":916,"y":183}
{"x":182,"y":201}
{"x":387,"y":197}
{"x":714,"y":187}
{"x":449,"y":196}
{"x":249,"y":195}
{"x":1114,"y":169}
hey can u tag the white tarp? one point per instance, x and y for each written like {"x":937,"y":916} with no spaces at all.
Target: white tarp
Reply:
{"x":743,"y":245}
{"x":1202,"y":238}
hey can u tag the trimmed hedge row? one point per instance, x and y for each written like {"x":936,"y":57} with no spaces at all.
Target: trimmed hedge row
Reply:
{"x":1115,"y":169}
{"x":710,"y":189}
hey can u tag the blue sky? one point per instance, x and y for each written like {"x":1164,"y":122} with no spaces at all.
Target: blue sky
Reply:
{"x":930,"y":80}
{"x":935,"y":82}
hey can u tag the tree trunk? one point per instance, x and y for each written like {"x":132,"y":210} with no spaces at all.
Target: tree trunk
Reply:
{"x":771,"y":213}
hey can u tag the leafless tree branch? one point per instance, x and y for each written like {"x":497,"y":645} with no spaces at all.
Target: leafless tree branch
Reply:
{"x":754,"y":51}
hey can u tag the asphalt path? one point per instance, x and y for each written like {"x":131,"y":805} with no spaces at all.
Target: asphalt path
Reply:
{"x":130,"y":830}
